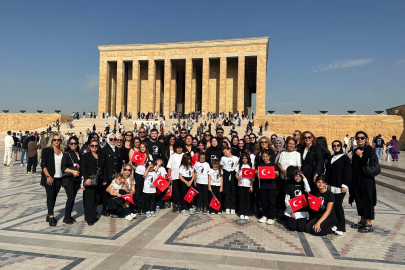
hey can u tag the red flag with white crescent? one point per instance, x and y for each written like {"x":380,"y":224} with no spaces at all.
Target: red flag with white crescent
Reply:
{"x":267,"y":172}
{"x":138,"y":158}
{"x":298,"y":203}
{"x":215,"y":203}
{"x":248,"y":173}
{"x":190,"y":194}
{"x":314,"y":202}
{"x":168,"y":194}
{"x":161,"y":183}
{"x":128,"y":198}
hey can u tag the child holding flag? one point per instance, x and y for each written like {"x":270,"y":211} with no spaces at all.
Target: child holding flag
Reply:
{"x":215,"y":182}
{"x":230,"y":167}
{"x":245,"y":183}
{"x":117,"y":188}
{"x":128,"y":174}
{"x":160,"y":171}
{"x":201,"y":169}
{"x":173,"y":166}
{"x":187,"y":179}
{"x":149,"y":191}
{"x":297,"y":220}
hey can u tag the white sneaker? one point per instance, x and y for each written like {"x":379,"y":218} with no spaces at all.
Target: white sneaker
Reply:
{"x":183,"y":212}
{"x":212,"y":213}
{"x":133,"y":215}
{"x":242,"y":217}
{"x":219,"y":213}
{"x":129,"y":218}
{"x":270,"y":222}
{"x":262,"y":220}
{"x":247,"y":217}
{"x":232,"y":211}
{"x":334,"y":228}
{"x":227,"y":211}
{"x":339,"y":232}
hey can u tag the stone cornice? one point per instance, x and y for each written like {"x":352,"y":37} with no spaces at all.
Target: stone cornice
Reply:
{"x":185,"y":45}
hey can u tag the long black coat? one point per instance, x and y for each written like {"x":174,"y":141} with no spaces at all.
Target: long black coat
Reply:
{"x":112,"y":162}
{"x":68,"y":159}
{"x":313,"y":162}
{"x":47,"y":161}
{"x":89,"y":165}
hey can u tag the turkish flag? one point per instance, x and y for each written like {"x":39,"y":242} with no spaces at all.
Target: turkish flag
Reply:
{"x":161,"y":183}
{"x":128,"y":198}
{"x":314,"y":202}
{"x":215,"y":204}
{"x":168,"y":176}
{"x":297,"y":203}
{"x":266,"y":172}
{"x":248,"y":173}
{"x":190,"y":194}
{"x":168,"y":194}
{"x":138,"y":158}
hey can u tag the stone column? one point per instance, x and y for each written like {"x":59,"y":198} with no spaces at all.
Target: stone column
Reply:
{"x":261,"y":85}
{"x":241,"y":85}
{"x":166,"y":95}
{"x":158,"y":89}
{"x":173,"y":86}
{"x":119,"y":99}
{"x":222,"y":85}
{"x":193,"y":88}
{"x":150,"y":99}
{"x":205,"y":85}
{"x":133,"y":93}
{"x":103,"y":91}
{"x":188,"y":90}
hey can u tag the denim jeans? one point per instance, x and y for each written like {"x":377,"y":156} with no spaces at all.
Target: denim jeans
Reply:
{"x":24,"y":153}
{"x":379,"y":152}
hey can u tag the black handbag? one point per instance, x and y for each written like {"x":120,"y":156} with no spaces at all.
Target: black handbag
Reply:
{"x":68,"y":174}
{"x":93,"y":178}
{"x":373,"y":166}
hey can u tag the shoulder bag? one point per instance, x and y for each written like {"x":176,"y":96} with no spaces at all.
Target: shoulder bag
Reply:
{"x":373,"y":166}
{"x":68,"y":174}
{"x":93,"y":178}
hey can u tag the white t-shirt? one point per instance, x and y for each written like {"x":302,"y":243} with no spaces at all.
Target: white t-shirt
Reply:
{"x":230,"y":164}
{"x":289,"y":159}
{"x":252,"y":159}
{"x":346,"y":140}
{"x":245,"y":181}
{"x":129,"y":183}
{"x":140,"y":169}
{"x":58,"y":166}
{"x":161,"y":171}
{"x":215,"y":178}
{"x":116,"y":186}
{"x":174,"y":164}
{"x":186,"y":172}
{"x":150,"y":177}
{"x":201,"y":170}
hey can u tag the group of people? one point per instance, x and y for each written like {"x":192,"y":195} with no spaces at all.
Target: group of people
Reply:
{"x":214,"y":166}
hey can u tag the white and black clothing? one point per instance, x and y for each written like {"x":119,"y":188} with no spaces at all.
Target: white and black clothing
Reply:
{"x":293,"y":190}
{"x":91,"y":166}
{"x":244,"y":192}
{"x":155,"y":148}
{"x":201,"y":170}
{"x":174,"y":165}
{"x":230,"y":167}
{"x":112,"y":164}
{"x":213,"y":153}
{"x":139,"y":183}
{"x":149,"y":193}
{"x":312,"y":163}
{"x":215,"y":187}
{"x":268,"y":190}
{"x":330,"y":221}
{"x":187,"y":174}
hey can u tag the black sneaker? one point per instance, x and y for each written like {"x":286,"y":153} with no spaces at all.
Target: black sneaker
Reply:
{"x":105,"y":213}
{"x":175,"y":209}
{"x":357,"y":225}
{"x":366,"y":228}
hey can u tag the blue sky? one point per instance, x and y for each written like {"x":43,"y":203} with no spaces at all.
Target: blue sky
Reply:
{"x":323,"y":55}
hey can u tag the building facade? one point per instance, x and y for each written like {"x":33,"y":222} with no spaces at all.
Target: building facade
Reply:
{"x":210,"y":76}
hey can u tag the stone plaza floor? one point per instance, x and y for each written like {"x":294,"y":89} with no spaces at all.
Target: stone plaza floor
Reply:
{"x":172,"y":241}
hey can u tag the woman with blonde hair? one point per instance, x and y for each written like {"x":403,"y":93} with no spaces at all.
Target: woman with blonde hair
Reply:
{"x":51,"y":176}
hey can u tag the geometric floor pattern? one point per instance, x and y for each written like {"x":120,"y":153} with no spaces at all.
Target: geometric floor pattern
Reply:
{"x":172,"y":241}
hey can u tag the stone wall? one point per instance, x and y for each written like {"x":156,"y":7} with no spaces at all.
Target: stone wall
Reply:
{"x":24,"y":121}
{"x":335,"y":127}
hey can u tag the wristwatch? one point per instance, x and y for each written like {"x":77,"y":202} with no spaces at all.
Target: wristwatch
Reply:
{"x":48,"y":176}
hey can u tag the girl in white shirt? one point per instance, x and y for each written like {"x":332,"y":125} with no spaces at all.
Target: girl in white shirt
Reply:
{"x":160,"y":171}
{"x":215,"y":182}
{"x":245,"y":186}
{"x":149,"y":191}
{"x":201,"y":169}
{"x":173,"y":166}
{"x":187,"y":179}
{"x":117,"y":188}
{"x":127,"y":171}
{"x":230,"y":166}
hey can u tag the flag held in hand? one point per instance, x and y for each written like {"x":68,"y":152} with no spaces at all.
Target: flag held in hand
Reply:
{"x":248,"y":173}
{"x":168,"y":194}
{"x":128,"y":198}
{"x":138,"y":158}
{"x":314,"y":202}
{"x":267,"y":172}
{"x":190,"y":194}
{"x":161,"y":183}
{"x":215,"y":203}
{"x":298,"y":203}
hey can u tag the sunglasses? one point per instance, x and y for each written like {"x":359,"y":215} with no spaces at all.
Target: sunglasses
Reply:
{"x":308,"y":137}
{"x":336,"y":145}
{"x":252,"y":138}
{"x":112,"y":139}
{"x":220,"y":132}
{"x":118,"y":140}
{"x":273,"y":138}
{"x":73,"y":143}
{"x":360,"y":138}
{"x":127,"y":170}
{"x":263,"y":142}
{"x":207,"y":135}
{"x":94,"y":145}
{"x":128,"y":135}
{"x":296,"y":134}
{"x":141,"y":131}
{"x":183,"y":132}
{"x":56,"y":140}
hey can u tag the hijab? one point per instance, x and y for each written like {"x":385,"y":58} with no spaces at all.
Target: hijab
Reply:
{"x":336,"y":155}
{"x":281,"y":140}
{"x":108,"y":141}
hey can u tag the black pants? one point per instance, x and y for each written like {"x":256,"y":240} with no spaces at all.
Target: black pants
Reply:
{"x":176,"y":192}
{"x":297,"y":224}
{"x":184,"y":189}
{"x":105,"y":196}
{"x":229,"y":190}
{"x":340,"y":213}
{"x":215,"y":190}
{"x":268,"y":199}
{"x":51,"y":194}
{"x":149,"y":202}
{"x":90,"y":198}
{"x":326,"y":226}
{"x":202,"y":197}
{"x":32,"y":162}
{"x":71,"y":191}
{"x":139,"y":198}
{"x":255,"y":196}
{"x":244,"y":201}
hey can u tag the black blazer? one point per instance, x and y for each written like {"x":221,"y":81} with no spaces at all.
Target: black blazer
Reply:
{"x":111,"y":162}
{"x":47,"y":161}
{"x":67,"y":159}
{"x":89,"y":165}
{"x":313,"y":162}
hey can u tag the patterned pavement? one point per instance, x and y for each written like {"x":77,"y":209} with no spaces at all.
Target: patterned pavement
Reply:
{"x":171,"y":241}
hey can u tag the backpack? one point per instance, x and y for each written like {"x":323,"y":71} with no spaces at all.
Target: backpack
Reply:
{"x":373,"y":166}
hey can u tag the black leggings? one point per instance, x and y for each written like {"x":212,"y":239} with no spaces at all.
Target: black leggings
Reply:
{"x":340,"y":213}
{"x":268,"y":199}
{"x":149,"y":202}
{"x":51,"y":194}
{"x":71,"y":191}
{"x":202,"y":196}
{"x":244,"y":201}
{"x":215,"y":191}
{"x":139,"y":199}
{"x":184,"y":189}
{"x":176,"y":192}
{"x":229,"y":190}
{"x":297,"y":224}
{"x":90,"y":198}
{"x":326,"y":226}
{"x":32,"y":162}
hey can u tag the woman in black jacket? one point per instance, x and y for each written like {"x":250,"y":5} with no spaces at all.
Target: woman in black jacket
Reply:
{"x":339,"y":177}
{"x":312,"y":159}
{"x":363,"y":189}
{"x":71,"y":177}
{"x":90,"y":166}
{"x":112,"y":164}
{"x":167,"y":148}
{"x":51,"y":176}
{"x":213,"y":152}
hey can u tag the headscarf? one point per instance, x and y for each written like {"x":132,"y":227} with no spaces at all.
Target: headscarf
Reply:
{"x":336,"y":155}
{"x":108,"y":141}
{"x":280,"y":139}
